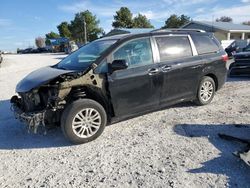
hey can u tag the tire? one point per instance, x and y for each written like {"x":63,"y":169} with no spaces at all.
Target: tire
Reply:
{"x":207,"y":83}
{"x":80,"y":118}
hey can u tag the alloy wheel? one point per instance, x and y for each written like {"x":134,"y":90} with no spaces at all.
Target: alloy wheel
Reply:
{"x":86,"y":122}
{"x":206,"y":91}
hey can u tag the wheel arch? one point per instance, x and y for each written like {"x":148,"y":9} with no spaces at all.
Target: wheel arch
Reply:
{"x":94,"y":93}
{"x":214,"y":77}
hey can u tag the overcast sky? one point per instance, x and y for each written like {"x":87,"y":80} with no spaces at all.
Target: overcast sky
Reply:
{"x":21,"y":21}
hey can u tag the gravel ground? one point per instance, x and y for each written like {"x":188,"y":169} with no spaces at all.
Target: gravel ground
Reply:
{"x":175,"y":147}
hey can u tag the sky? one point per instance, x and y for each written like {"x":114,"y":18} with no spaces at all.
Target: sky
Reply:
{"x":21,"y":21}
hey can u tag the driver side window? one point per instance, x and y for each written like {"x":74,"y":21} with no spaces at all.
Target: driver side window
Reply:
{"x":137,"y":52}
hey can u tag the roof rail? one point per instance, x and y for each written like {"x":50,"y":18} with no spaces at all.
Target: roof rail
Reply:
{"x":178,"y":29}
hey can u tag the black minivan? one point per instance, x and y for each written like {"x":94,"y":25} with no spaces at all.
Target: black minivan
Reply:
{"x":118,"y":77}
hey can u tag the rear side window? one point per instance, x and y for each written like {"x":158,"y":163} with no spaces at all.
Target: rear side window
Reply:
{"x":204,"y":44}
{"x":173,"y":47}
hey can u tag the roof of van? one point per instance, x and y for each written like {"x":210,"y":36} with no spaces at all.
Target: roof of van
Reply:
{"x":115,"y":37}
{"x":154,"y":32}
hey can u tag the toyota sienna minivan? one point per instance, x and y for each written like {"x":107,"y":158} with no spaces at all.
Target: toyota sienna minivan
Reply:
{"x":118,"y":77}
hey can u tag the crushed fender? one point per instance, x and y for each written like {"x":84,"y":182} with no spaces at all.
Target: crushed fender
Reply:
{"x":35,"y":111}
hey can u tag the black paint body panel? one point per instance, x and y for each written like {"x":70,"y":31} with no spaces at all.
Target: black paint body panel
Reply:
{"x":133,"y":91}
{"x":241,"y":66}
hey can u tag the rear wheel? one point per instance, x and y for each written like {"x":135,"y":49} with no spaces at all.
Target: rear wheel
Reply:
{"x":206,"y":91}
{"x":83,"y":121}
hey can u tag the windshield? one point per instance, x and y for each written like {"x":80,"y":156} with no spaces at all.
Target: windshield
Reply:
{"x":85,"y":56}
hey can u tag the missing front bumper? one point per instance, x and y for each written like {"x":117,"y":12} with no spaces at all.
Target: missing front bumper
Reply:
{"x":33,"y":120}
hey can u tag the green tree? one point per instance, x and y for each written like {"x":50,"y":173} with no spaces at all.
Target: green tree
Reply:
{"x":76,"y":27}
{"x":63,"y":29}
{"x":51,"y":35}
{"x":224,"y":19}
{"x":141,"y":21}
{"x":123,"y":18}
{"x":175,"y":21}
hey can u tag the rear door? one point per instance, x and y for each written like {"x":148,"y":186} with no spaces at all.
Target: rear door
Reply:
{"x":180,"y":68}
{"x":211,"y":52}
{"x":137,"y":88}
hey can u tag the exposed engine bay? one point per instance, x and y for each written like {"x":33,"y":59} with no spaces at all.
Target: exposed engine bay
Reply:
{"x":37,"y":107}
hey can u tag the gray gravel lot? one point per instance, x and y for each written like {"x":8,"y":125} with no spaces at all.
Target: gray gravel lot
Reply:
{"x":175,"y":147}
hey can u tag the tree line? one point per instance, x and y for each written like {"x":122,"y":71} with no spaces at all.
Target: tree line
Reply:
{"x":124,"y":18}
{"x":74,"y":30}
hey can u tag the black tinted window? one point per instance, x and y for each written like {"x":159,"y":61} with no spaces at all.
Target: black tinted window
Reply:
{"x":173,"y":47}
{"x":136,"y":52}
{"x":204,"y":44}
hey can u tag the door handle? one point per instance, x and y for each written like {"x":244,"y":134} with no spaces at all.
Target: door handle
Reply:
{"x":166,"y":68}
{"x":153,"y":71}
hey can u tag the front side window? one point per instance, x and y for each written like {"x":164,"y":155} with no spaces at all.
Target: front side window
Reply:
{"x":85,"y":56}
{"x":136,"y":52}
{"x":173,"y":47}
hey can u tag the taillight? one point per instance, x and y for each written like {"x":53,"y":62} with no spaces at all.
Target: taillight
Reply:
{"x":224,"y":58}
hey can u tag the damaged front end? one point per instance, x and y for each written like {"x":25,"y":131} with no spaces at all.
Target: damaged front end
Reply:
{"x":38,"y":107}
{"x":43,"y":105}
{"x":44,"y":94}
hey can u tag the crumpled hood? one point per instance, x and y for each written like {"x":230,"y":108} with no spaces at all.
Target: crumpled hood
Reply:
{"x":39,"y":77}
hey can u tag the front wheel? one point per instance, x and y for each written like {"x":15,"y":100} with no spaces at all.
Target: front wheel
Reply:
{"x":83,"y":121}
{"x":206,"y":91}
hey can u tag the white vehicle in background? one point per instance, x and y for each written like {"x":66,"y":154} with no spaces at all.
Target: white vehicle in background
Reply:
{"x":72,"y":47}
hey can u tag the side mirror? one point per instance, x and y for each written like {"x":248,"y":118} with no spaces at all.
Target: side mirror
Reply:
{"x":118,"y":64}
